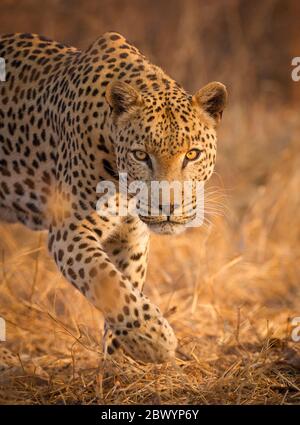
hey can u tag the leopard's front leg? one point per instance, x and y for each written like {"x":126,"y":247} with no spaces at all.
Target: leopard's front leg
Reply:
{"x":78,"y":247}
{"x":128,"y":250}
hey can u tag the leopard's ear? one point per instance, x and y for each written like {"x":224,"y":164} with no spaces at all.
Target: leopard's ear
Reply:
{"x":122,"y":98}
{"x":212,"y":98}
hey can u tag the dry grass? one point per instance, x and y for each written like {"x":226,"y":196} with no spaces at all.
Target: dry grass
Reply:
{"x":230,"y":289}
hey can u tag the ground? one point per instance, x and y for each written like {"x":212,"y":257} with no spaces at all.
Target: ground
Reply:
{"x":230,"y":290}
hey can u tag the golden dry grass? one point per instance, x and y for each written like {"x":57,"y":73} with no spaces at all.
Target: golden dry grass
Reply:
{"x":230,"y":289}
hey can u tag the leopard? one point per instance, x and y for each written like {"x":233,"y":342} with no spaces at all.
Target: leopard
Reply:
{"x":71,"y":119}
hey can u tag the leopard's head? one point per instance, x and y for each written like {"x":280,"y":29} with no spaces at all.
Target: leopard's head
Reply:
{"x":168,"y":137}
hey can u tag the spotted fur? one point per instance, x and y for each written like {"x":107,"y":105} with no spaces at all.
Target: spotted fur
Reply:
{"x":69,"y":119}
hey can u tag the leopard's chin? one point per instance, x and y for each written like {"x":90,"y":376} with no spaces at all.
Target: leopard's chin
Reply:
{"x":166,"y":227}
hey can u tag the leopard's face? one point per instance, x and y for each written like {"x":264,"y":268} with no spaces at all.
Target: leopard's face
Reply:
{"x":167,"y":142}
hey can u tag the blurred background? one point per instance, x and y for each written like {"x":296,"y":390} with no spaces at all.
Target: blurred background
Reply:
{"x":236,"y":281}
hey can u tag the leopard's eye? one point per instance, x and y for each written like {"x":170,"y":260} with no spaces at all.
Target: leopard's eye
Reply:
{"x":140,"y":155}
{"x":193,"y":154}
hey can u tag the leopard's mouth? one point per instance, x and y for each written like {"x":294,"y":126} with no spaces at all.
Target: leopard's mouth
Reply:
{"x":167,"y":225}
